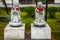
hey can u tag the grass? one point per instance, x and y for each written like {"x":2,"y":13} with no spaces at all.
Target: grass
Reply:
{"x":27,"y":20}
{"x":55,"y":26}
{"x":2,"y":11}
{"x":2,"y":26}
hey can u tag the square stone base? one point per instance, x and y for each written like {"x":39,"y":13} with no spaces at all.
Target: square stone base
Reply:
{"x":14,"y":33}
{"x":40,"y":32}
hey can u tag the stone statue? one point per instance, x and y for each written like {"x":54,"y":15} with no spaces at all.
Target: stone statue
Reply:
{"x":15,"y":16}
{"x":39,"y":15}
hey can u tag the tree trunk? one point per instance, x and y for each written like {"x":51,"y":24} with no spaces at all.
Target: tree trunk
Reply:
{"x":46,"y":10}
{"x":5,"y":7}
{"x":36,"y":2}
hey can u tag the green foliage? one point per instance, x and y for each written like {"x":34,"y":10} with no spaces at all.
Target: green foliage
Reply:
{"x":58,"y":9}
{"x":27,"y":20}
{"x":51,"y":11}
{"x":2,"y":26}
{"x":27,"y":25}
{"x":54,"y":24}
{"x":30,"y":10}
{"x":2,"y":12}
{"x":9,"y":9}
{"x":23,"y":14}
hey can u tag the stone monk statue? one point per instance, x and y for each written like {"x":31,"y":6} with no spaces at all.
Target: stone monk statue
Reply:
{"x":15,"y":14}
{"x":39,"y":15}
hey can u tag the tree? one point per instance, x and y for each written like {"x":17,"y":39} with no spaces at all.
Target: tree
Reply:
{"x":36,"y":2}
{"x":5,"y":6}
{"x":46,"y":10}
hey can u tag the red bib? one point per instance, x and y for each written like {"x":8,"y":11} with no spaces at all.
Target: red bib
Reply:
{"x":40,"y":9}
{"x":17,"y":9}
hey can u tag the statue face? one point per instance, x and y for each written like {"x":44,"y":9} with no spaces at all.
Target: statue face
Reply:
{"x":15,"y":13}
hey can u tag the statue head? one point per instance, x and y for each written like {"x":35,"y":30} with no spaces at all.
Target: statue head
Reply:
{"x":15,"y":3}
{"x":39,"y":5}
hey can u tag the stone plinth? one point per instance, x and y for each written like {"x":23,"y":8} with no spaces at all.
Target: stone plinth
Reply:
{"x":40,"y":32}
{"x":14,"y":33}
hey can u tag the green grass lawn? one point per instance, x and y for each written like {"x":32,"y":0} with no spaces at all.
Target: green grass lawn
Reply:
{"x":55,"y":26}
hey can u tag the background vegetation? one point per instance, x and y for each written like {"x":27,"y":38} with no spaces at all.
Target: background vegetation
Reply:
{"x":27,"y":15}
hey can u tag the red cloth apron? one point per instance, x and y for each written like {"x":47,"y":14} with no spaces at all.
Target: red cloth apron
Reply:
{"x":40,"y":9}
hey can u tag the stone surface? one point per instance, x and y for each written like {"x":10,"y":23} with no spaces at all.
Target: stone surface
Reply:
{"x":40,"y":32}
{"x":14,"y":33}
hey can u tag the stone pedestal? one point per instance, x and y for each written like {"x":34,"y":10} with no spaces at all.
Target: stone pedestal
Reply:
{"x":14,"y":33}
{"x":40,"y":32}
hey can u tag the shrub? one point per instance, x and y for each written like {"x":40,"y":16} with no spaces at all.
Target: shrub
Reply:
{"x":9,"y":9}
{"x":23,"y":14}
{"x":27,"y":25}
{"x":28,"y":22}
{"x":51,"y":11}
{"x":30,"y":10}
{"x":58,"y":9}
